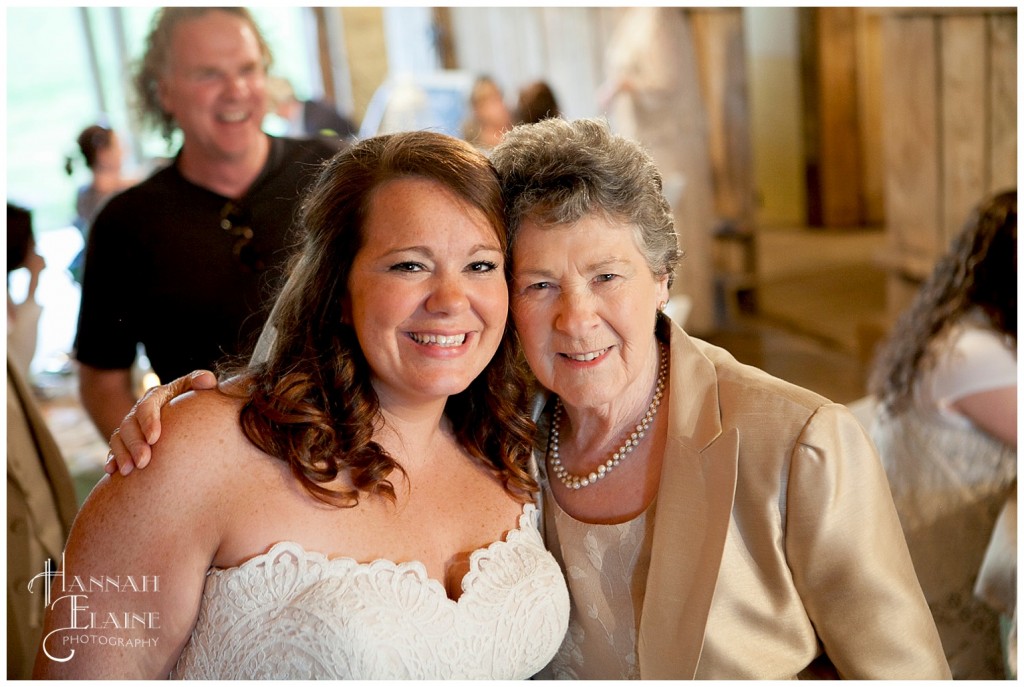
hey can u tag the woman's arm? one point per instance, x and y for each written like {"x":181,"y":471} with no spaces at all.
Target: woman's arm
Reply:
{"x":976,"y":378}
{"x":128,"y":592}
{"x":106,"y":395}
{"x":993,"y":412}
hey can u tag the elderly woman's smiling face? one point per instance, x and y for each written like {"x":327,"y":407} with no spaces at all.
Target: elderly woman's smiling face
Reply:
{"x":584,"y":302}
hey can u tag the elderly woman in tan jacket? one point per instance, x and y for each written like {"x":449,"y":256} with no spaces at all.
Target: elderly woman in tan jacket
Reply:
{"x":712,"y":521}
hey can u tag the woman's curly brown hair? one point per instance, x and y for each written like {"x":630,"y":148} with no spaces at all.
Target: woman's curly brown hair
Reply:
{"x":311,"y":402}
{"x":978,"y":272}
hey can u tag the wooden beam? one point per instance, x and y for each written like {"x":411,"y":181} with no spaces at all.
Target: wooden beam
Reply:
{"x":810,"y":85}
{"x":911,"y":136}
{"x":719,"y":42}
{"x":840,"y":121}
{"x":442,"y":19}
{"x":324,"y":53}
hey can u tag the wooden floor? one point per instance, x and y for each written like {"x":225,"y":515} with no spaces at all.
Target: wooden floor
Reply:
{"x":820,"y":309}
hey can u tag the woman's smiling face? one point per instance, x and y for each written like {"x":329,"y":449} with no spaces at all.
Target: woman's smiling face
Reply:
{"x":427,"y":292}
{"x":584,"y":302}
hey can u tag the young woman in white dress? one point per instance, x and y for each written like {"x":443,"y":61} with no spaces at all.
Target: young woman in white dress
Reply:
{"x":359,"y":505}
{"x":946,"y":427}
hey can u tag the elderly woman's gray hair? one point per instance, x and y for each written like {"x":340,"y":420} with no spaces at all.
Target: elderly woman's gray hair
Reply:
{"x":558,"y":171}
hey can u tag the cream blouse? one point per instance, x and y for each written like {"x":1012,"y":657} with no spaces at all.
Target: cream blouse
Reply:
{"x":606,"y":569}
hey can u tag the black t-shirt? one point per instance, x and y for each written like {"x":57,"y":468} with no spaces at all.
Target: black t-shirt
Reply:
{"x":169,"y":264}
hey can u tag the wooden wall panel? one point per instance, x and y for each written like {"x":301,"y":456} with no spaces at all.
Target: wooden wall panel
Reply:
{"x":911,"y":141}
{"x":1003,"y":100}
{"x":870,"y":74}
{"x":810,"y":86}
{"x":841,"y":72}
{"x":840,"y":129}
{"x":719,"y":42}
{"x":962,"y":87}
{"x":950,"y":129}
{"x":367,"y":52}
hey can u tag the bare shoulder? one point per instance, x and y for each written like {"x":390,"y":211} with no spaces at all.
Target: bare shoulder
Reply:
{"x":201,"y":431}
{"x":199,"y":451}
{"x":165,"y":522}
{"x":203,"y":410}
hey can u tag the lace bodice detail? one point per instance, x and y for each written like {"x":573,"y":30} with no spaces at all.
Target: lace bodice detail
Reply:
{"x":292,"y":613}
{"x":606,"y":570}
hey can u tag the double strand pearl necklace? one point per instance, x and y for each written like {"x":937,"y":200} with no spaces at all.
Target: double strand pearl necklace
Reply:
{"x":576,"y":481}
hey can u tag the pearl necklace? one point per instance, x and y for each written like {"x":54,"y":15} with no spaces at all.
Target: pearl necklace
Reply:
{"x":576,"y":481}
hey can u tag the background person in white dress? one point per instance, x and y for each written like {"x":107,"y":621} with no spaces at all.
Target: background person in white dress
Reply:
{"x":946,"y":426}
{"x":360,"y":505}
{"x":22,"y":317}
{"x":489,"y":117}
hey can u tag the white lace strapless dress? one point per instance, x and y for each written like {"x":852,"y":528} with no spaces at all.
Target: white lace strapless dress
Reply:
{"x":292,"y":613}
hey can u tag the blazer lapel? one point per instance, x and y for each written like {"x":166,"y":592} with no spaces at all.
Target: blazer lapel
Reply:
{"x":691,"y":519}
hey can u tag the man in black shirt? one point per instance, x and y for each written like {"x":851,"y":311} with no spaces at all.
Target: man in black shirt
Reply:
{"x":187,"y":261}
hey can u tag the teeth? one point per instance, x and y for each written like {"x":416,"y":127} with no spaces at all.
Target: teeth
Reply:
{"x":585,"y":357}
{"x":233,"y":116}
{"x":439,"y":339}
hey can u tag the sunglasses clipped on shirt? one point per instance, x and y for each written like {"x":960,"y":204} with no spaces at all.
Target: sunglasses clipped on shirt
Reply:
{"x":234,"y":221}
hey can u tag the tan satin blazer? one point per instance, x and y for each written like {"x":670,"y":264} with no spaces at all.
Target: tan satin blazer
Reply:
{"x":775,"y":537}
{"x":776,"y":545}
{"x":41,"y":505}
